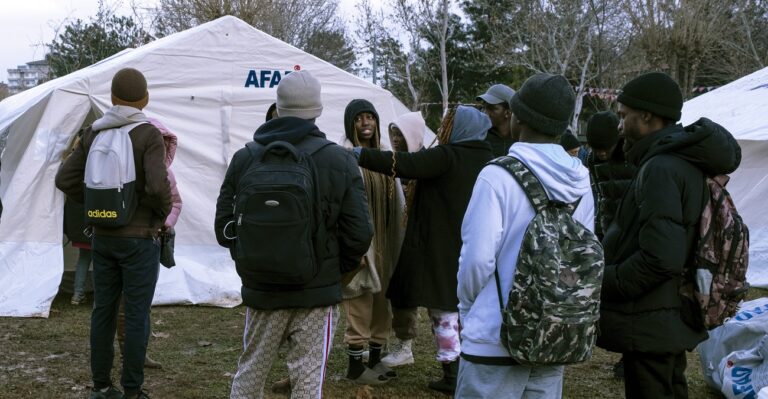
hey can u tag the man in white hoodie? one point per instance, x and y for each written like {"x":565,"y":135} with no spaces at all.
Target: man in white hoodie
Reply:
{"x":492,"y":232}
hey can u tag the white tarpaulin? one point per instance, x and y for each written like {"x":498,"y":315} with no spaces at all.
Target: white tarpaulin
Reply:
{"x":211,"y":85}
{"x":742,"y":108}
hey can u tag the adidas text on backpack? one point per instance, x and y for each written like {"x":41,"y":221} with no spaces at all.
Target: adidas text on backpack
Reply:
{"x":278,"y":226}
{"x":110,"y":178}
{"x":553,"y":308}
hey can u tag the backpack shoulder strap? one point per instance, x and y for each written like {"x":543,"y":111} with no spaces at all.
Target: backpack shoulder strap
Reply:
{"x":527,"y":180}
{"x":311,"y":145}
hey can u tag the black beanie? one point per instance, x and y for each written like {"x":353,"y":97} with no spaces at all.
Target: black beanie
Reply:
{"x":545,"y":102}
{"x":655,"y":92}
{"x":355,"y":108}
{"x":569,"y":141}
{"x":603,"y":130}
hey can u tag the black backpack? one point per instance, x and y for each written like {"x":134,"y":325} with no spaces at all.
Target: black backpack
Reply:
{"x":279,"y":229}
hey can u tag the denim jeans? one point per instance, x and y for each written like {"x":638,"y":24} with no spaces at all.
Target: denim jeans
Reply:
{"x":129,"y":266}
{"x":81,"y":270}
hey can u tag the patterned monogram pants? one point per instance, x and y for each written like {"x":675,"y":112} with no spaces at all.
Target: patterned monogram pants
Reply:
{"x":308,"y":334}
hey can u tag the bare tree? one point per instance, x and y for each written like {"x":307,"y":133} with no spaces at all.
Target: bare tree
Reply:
{"x":580,"y":39}
{"x":297,"y":22}
{"x":404,"y":12}
{"x":676,"y":35}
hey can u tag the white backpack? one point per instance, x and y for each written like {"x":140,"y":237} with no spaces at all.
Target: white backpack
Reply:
{"x":110,"y":178}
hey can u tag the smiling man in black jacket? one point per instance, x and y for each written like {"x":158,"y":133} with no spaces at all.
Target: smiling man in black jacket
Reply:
{"x":303,"y":315}
{"x":652,"y":237}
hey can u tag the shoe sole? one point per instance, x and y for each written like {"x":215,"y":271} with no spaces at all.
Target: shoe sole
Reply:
{"x":392,"y":365}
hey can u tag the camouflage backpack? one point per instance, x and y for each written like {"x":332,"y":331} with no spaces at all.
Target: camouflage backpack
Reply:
{"x":719,"y":282}
{"x":554,"y":304}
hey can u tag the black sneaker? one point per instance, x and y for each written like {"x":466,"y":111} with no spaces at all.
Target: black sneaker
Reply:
{"x":109,"y":392}
{"x":618,"y":369}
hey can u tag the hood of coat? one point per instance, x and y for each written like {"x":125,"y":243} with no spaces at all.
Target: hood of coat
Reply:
{"x":469,"y":124}
{"x":709,"y":146}
{"x":413,"y":127}
{"x":118,"y":116}
{"x":169,"y":139}
{"x":355,"y":108}
{"x":286,"y":128}
{"x":564,"y":177}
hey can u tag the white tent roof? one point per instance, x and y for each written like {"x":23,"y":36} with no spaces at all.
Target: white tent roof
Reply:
{"x":211,"y":85}
{"x":742,"y":108}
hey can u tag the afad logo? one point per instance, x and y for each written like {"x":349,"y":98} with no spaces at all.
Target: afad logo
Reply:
{"x":266,"y":78}
{"x":101,"y":214}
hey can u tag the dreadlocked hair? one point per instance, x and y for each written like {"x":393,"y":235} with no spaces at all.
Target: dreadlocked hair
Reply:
{"x":443,"y":137}
{"x":382,"y":208}
{"x":446,"y":127}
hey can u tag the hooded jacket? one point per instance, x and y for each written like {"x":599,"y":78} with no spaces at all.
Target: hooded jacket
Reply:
{"x":375,"y":276}
{"x":652,"y":238}
{"x":344,"y":209}
{"x":355,"y":108}
{"x":492,"y":232}
{"x":610,"y":180}
{"x":413,"y":127}
{"x":425,"y":274}
{"x":170,"y":141}
{"x":153,"y":191}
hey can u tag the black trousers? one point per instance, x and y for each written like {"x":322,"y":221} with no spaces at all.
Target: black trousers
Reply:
{"x":655,"y":376}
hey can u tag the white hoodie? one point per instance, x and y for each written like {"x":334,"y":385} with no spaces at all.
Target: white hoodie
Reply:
{"x":493,"y":229}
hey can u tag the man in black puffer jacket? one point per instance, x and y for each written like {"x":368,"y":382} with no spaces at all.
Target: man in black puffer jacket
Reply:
{"x":652,"y":237}
{"x":305,"y":315}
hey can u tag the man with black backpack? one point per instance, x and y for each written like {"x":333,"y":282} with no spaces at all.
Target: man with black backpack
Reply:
{"x":650,"y":246}
{"x":529,"y":265}
{"x":127,"y":196}
{"x":293,"y":211}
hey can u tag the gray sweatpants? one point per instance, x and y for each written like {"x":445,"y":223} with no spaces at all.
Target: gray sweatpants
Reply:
{"x":309,"y":334}
{"x":518,"y":382}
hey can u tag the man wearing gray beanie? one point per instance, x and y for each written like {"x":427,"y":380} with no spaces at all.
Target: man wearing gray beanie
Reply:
{"x":269,"y":254}
{"x":494,"y":227}
{"x":651,"y":242}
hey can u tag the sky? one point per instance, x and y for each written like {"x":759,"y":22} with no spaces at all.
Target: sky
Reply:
{"x":25,"y":25}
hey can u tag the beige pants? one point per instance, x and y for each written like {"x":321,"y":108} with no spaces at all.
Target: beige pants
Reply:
{"x":308,"y":334}
{"x":369,"y":319}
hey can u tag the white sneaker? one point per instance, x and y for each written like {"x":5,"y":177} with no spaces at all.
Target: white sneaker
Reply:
{"x":399,"y":354}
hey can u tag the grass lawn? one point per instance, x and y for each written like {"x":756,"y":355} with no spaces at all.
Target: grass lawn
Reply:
{"x":199,"y":346}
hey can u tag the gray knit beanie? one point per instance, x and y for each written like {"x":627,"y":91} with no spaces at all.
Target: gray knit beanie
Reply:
{"x":545,"y":102}
{"x":298,"y":94}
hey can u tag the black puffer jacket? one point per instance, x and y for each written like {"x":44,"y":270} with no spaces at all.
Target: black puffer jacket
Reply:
{"x":610,"y":180}
{"x":652,"y":239}
{"x":344,"y":207}
{"x":425,"y":274}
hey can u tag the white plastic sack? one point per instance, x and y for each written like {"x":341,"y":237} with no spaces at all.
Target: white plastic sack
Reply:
{"x":733,"y":358}
{"x":744,"y":373}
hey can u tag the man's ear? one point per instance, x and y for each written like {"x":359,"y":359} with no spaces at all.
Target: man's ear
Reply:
{"x":646,"y":117}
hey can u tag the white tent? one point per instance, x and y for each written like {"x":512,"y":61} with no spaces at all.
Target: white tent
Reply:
{"x":742,"y":108}
{"x":211,"y":85}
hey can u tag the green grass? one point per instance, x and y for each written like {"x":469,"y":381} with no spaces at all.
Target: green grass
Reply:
{"x":48,"y":358}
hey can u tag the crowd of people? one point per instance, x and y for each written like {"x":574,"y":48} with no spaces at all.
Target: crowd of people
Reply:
{"x":441,"y":227}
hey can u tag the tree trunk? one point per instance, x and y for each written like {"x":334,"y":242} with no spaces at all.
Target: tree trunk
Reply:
{"x":443,"y":55}
{"x":580,"y":92}
{"x":411,"y":88}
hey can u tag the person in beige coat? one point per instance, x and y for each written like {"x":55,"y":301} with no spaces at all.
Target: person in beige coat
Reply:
{"x":369,"y":319}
